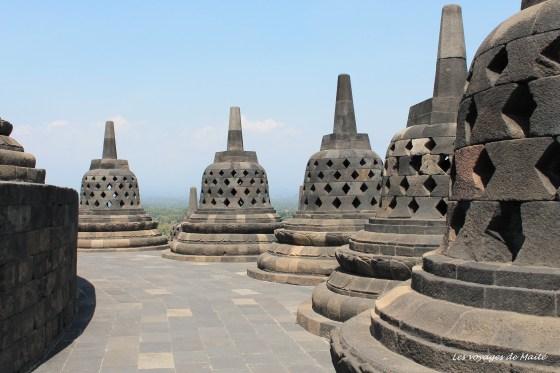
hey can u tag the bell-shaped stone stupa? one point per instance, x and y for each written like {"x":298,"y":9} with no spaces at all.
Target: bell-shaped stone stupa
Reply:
{"x":234,"y":221}
{"x":38,"y":282}
{"x":411,"y":219}
{"x":111,"y":216}
{"x":488,"y":300}
{"x":342,"y":187}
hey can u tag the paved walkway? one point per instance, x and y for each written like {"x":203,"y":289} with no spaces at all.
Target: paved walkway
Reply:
{"x":158,"y":315}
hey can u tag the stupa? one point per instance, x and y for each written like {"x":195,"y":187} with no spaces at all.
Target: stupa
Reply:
{"x":234,"y":221}
{"x":411,"y":218}
{"x":341,"y":190}
{"x":38,"y":282}
{"x":191,"y":208}
{"x":488,"y":300}
{"x":111,"y":215}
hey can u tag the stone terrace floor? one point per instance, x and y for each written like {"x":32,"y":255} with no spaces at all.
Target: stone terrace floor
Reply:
{"x":159,"y":315}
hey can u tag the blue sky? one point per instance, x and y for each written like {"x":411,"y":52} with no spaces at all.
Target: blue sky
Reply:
{"x":167,"y":72}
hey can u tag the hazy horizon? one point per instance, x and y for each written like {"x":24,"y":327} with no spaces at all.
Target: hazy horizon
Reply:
{"x":167,"y":74}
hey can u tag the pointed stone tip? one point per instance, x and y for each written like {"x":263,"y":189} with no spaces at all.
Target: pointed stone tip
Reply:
{"x":235,"y":134}
{"x":344,"y":117}
{"x":109,"y":142}
{"x":451,"y":34}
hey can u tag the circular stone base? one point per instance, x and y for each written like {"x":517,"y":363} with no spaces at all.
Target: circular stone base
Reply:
{"x":313,"y":322}
{"x":123,"y":249}
{"x":285,"y":278}
{"x":354,"y":350}
{"x":168,"y":254}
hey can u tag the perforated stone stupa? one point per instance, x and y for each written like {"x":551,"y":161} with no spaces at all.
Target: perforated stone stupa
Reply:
{"x":414,"y":198}
{"x":493,"y":289}
{"x":111,"y":215}
{"x":38,"y":233}
{"x":234,"y":221}
{"x":341,"y":190}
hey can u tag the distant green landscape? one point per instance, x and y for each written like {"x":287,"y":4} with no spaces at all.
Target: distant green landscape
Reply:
{"x":168,"y":212}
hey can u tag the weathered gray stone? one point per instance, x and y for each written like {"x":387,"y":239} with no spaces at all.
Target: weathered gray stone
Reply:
{"x":111,"y":215}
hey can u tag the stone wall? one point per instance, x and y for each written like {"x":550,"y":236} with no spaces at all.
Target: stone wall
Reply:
{"x":38,"y":233}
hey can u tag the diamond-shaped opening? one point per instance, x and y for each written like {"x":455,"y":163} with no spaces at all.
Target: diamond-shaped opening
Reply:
{"x":221,"y":173}
{"x":226,"y":202}
{"x":240,"y":202}
{"x":233,"y":173}
{"x":96,"y":203}
{"x":103,"y":194}
{"x":316,"y":163}
{"x":404,"y":185}
{"x":103,"y":178}
{"x":430,"y":184}
{"x":306,"y":202}
{"x":205,"y":181}
{"x":444,"y":162}
{"x":549,"y":165}
{"x":388,"y":183}
{"x":220,"y":191}
{"x":392,"y":147}
{"x":318,"y":202}
{"x":321,"y":175}
{"x":233,"y":192}
{"x":115,"y":195}
{"x":409,"y":145}
{"x":442,"y":207}
{"x":126,"y":194}
{"x":336,"y":202}
{"x":393,"y":203}
{"x":114,"y":178}
{"x":328,"y":188}
{"x":413,"y":206}
{"x":253,"y":201}
{"x":430,"y":144}
{"x":470,"y":120}
{"x":552,"y":51}
{"x":373,"y":201}
{"x":213,"y":201}
{"x":93,"y":178}
{"x":346,"y":188}
{"x":125,"y":178}
{"x":98,"y":186}
{"x":518,"y":110}
{"x":256,"y":172}
{"x":506,"y":227}
{"x":416,"y":162}
{"x":203,"y":201}
{"x":109,"y":204}
{"x":346,"y":163}
{"x":247,"y":191}
{"x":378,"y":187}
{"x":362,"y":162}
{"x":214,"y":181}
{"x":355,"y":175}
{"x":258,"y":191}
{"x":109,"y":187}
{"x":356,"y":202}
{"x":364,"y":187}
{"x":497,"y":66}
{"x":121,"y":203}
{"x":312,"y":188}
{"x":211,"y":173}
{"x":483,"y":169}
{"x":245,"y":172}
{"x":131,"y":203}
{"x":88,"y":186}
{"x":87,"y":203}
{"x":457,"y":219}
{"x":329,"y":163}
{"x":371,"y":174}
{"x":239,"y":181}
{"x":252,"y":181}
{"x":337,"y":175}
{"x":264,"y":200}
{"x":226,"y":181}
{"x":91,"y":194}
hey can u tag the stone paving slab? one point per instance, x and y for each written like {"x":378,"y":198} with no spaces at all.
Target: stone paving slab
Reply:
{"x":154,"y":315}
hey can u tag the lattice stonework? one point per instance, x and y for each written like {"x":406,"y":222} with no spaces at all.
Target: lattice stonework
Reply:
{"x":110,"y":192}
{"x":234,"y":188}
{"x":416,"y":177}
{"x":342,"y":184}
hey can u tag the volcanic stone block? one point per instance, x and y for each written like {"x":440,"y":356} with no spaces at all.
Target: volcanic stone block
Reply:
{"x":111,"y":215}
{"x":234,"y":221}
{"x":342,"y":187}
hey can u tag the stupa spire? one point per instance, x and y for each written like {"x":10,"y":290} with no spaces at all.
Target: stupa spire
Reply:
{"x":109,"y":143}
{"x":451,"y":69}
{"x":193,"y":202}
{"x":235,"y":133}
{"x":344,"y":118}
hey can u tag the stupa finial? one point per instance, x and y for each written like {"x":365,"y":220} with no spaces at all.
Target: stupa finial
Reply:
{"x":344,"y":118}
{"x":235,"y":133}
{"x":109,"y":143}
{"x":451,"y":69}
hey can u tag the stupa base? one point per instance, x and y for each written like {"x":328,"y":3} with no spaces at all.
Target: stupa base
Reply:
{"x":123,"y":249}
{"x":168,"y":254}
{"x":314,"y":322}
{"x":285,"y":278}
